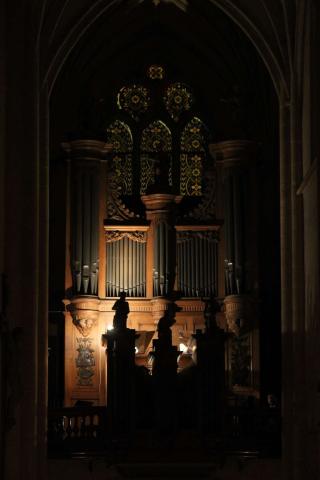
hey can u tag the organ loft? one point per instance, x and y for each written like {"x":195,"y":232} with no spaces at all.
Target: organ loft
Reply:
{"x":157,"y":206}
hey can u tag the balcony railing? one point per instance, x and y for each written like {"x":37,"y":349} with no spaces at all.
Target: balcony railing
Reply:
{"x":85,"y":431}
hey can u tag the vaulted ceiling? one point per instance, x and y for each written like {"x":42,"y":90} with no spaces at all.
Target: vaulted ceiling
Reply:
{"x":268,"y":23}
{"x":196,"y":41}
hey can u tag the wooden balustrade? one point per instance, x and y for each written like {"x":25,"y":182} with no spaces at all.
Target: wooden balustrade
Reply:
{"x":83,"y":431}
{"x":77,"y":429}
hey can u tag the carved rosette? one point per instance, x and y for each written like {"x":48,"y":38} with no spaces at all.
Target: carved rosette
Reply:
{"x":238,"y":311}
{"x":116,"y":235}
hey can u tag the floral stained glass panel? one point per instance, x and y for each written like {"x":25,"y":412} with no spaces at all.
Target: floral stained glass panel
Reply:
{"x":134,"y":100}
{"x":156,"y":138}
{"x":120,"y":173}
{"x":192,"y":157}
{"x":177,"y":99}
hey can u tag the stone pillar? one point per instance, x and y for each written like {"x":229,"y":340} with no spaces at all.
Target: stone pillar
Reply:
{"x":120,"y":352}
{"x":84,"y":225}
{"x":83,"y":362}
{"x":161,"y":249}
{"x":84,"y":236}
{"x":236,"y":157}
{"x":243,"y":346}
{"x":164,"y":373}
{"x":237,"y":161}
{"x":210,"y":358}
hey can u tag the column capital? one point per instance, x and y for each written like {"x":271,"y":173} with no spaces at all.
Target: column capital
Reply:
{"x":233,"y":153}
{"x":160,"y":201}
{"x":86,"y":149}
{"x":239,"y":311}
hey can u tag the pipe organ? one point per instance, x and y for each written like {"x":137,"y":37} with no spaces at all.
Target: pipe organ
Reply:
{"x":197,"y":263}
{"x":152,"y":259}
{"x":126,"y":263}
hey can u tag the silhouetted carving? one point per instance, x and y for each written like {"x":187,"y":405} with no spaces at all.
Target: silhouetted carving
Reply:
{"x":161,"y":162}
{"x":165,"y":323}
{"x":122,"y":311}
{"x":211,"y":309}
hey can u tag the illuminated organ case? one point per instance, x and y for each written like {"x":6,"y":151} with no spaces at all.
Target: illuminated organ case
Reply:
{"x":159,"y":210}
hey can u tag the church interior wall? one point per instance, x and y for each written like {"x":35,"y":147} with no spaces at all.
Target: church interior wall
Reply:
{"x":24,"y":229}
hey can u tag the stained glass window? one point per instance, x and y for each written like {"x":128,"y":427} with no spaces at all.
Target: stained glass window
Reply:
{"x":134,"y":100}
{"x":177,"y":99}
{"x":120,"y":172}
{"x":156,"y":72}
{"x":156,"y":138}
{"x":191,"y":157}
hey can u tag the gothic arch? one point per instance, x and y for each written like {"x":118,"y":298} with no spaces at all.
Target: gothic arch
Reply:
{"x":266,"y":42}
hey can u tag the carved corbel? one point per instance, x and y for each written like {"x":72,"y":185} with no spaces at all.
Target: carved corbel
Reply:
{"x":238,"y":312}
{"x":83,"y":320}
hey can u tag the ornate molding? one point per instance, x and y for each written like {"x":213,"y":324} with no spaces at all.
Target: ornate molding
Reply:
{"x":160,"y":201}
{"x":84,"y":314}
{"x":84,"y":321}
{"x":86,"y":149}
{"x":211,"y":236}
{"x":116,"y":209}
{"x":206,"y":209}
{"x":116,"y":235}
{"x":85,"y":361}
{"x":233,"y":153}
{"x":238,"y":310}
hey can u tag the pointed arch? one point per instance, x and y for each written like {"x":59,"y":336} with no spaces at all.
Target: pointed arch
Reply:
{"x":120,"y":136}
{"x":156,"y":138}
{"x":192,"y":155}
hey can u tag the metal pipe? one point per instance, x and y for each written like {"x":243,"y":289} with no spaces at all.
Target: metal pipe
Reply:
{"x":201,"y":265}
{"x":167,"y":251}
{"x":161,"y":259}
{"x":86,"y":234}
{"x":125,"y":263}
{"x":185,"y":262}
{"x":143,"y":273}
{"x":77,"y":233}
{"x":108,"y":272}
{"x":130,"y":270}
{"x":197,"y":252}
{"x":134,"y":256}
{"x":117,"y":260}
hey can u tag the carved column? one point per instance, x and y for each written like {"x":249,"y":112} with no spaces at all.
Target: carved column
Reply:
{"x":211,"y":379}
{"x":84,"y":225}
{"x":237,"y":160}
{"x":120,"y":353}
{"x":84,"y":368}
{"x":161,"y":249}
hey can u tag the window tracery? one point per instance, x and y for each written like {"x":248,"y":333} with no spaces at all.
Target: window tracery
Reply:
{"x":120,"y":171}
{"x":192,"y":157}
{"x":155,"y":138}
{"x":168,"y":103}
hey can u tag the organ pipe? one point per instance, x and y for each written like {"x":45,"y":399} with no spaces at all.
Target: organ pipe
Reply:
{"x":126,"y":267}
{"x":197,"y":264}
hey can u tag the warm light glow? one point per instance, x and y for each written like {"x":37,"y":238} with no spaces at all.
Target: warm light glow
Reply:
{"x":109,"y":327}
{"x":183,"y":348}
{"x":136,"y":349}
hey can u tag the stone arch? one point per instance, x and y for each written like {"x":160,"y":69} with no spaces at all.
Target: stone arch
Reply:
{"x":272,"y":58}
